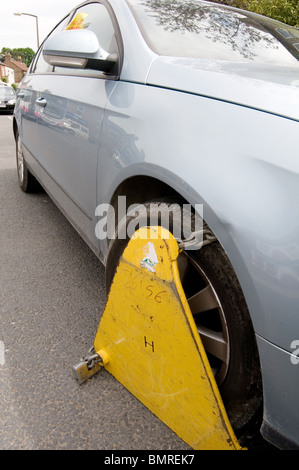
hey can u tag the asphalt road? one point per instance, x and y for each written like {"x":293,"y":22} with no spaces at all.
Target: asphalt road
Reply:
{"x":52,"y":295}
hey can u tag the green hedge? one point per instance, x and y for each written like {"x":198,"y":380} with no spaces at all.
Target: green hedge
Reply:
{"x":286,"y":11}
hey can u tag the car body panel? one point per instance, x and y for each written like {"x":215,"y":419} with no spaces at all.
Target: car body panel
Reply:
{"x":281,"y":416}
{"x":222,"y":135}
{"x":72,"y":125}
{"x":252,"y":85}
{"x":237,"y":202}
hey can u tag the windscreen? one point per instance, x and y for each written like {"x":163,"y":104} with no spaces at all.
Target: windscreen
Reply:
{"x":198,"y":29}
{"x":6,"y":93}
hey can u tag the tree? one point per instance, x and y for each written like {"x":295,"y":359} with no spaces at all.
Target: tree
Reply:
{"x":26,"y":54}
{"x":286,"y":11}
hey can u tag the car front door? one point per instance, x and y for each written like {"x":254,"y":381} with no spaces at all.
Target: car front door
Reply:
{"x":69,"y":109}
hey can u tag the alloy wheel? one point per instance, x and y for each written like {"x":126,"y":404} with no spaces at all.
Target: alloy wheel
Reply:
{"x":208,"y":314}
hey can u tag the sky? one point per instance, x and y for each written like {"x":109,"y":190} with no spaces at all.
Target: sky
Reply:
{"x":20,"y":31}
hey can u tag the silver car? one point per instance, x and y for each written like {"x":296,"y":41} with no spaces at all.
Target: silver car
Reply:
{"x":155,"y":106}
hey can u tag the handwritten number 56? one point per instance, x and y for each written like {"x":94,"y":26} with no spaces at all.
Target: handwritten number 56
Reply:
{"x":158,"y":297}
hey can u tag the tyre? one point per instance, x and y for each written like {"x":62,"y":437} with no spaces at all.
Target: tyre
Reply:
{"x":26,"y":180}
{"x":223,"y":322}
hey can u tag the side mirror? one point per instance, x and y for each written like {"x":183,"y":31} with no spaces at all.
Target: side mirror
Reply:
{"x":78,"y":49}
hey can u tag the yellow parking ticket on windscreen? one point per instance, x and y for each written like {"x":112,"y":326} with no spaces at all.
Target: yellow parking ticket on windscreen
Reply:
{"x":77,"y":22}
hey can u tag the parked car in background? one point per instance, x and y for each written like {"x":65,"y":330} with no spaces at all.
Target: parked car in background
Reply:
{"x":7,"y":98}
{"x":185,"y":102}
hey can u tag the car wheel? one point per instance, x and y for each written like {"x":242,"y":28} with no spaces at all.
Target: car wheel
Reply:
{"x":223,"y":322}
{"x":27,"y":181}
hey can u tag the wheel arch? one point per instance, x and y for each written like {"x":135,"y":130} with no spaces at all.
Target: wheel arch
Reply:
{"x":144,"y":188}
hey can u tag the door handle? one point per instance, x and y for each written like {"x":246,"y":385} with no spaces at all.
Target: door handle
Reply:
{"x":21,"y":95}
{"x":41,"y":102}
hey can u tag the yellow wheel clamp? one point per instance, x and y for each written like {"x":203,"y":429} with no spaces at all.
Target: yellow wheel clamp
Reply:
{"x":147,"y":339}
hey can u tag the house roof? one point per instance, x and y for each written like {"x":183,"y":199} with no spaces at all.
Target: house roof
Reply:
{"x":15,"y":63}
{"x":19,"y":64}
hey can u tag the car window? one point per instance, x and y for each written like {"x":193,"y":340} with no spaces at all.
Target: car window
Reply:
{"x":40,"y":65}
{"x":195,"y":29}
{"x":93,"y":17}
